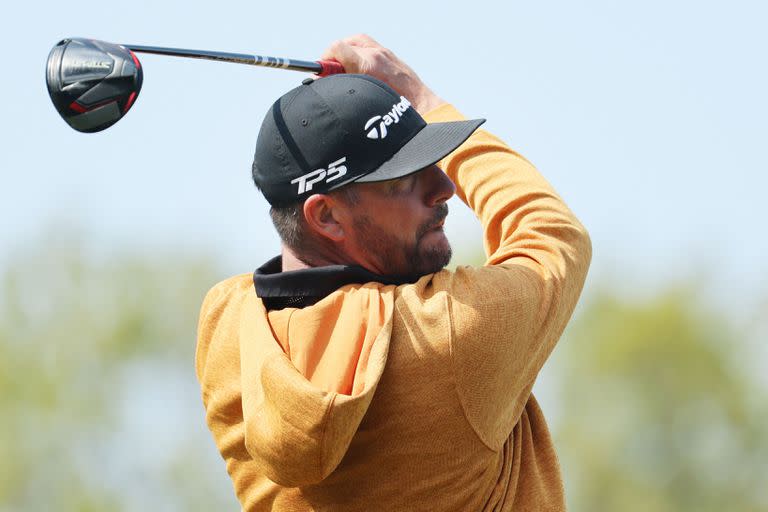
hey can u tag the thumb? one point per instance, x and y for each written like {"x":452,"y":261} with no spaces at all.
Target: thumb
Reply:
{"x":346,"y":54}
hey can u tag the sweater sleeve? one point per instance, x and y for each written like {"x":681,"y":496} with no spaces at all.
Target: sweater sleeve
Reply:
{"x":507,"y":316}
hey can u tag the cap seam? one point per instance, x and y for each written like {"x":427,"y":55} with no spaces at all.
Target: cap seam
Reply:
{"x":336,"y":119}
{"x":287,"y":136}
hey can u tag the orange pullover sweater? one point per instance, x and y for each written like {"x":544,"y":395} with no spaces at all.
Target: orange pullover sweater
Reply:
{"x":405,"y":397}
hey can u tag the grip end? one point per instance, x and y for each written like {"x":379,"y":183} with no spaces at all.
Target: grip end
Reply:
{"x":330,"y":67}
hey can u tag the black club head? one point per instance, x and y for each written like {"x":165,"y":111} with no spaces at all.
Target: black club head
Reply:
{"x":92,"y":83}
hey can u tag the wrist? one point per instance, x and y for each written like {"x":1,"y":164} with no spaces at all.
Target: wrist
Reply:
{"x":425,"y":100}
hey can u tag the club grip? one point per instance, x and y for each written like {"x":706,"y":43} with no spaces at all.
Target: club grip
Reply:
{"x":330,"y":67}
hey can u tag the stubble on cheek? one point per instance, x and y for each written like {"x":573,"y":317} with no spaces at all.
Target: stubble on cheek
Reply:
{"x":422,"y":255}
{"x":383,"y":246}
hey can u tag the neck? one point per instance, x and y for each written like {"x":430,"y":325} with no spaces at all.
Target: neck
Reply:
{"x":293,"y":261}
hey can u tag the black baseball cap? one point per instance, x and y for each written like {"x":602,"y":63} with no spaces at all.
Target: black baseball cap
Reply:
{"x":345,"y":128}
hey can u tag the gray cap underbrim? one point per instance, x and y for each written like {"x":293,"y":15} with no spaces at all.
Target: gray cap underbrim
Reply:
{"x":434,"y":142}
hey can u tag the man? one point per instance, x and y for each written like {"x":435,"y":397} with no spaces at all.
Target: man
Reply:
{"x":354,"y":372}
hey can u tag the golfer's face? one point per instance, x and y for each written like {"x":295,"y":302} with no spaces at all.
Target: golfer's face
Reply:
{"x":399,"y":223}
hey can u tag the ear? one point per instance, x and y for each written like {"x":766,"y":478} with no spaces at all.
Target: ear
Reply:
{"x":323,"y":215}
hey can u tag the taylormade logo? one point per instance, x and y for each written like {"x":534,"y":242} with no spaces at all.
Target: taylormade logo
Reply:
{"x":391,"y":117}
{"x":335,"y":171}
{"x":89,"y":65}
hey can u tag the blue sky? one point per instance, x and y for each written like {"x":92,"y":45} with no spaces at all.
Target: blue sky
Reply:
{"x":648,"y":117}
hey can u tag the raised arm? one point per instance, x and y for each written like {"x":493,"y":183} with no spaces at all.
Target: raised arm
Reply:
{"x":507,"y":316}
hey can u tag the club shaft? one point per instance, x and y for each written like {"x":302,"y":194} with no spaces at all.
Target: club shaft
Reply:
{"x":239,"y":58}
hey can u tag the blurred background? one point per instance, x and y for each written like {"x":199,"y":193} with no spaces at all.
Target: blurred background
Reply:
{"x":648,"y":117}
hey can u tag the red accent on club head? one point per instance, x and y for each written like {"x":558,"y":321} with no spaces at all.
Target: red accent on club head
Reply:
{"x":78,"y":107}
{"x":135,"y":60}
{"x":130,"y":101}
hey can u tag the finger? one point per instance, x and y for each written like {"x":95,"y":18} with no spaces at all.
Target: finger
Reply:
{"x":363,"y":40}
{"x":345,"y":54}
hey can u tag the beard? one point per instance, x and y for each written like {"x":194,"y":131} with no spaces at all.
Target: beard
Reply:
{"x":413,"y":258}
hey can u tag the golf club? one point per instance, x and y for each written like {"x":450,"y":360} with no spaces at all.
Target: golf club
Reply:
{"x":93,"y":84}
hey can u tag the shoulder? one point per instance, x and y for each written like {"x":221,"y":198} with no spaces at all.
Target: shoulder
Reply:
{"x":219,"y":316}
{"x":473,"y":289}
{"x":230,"y":285}
{"x":225,"y":291}
{"x":471,"y":285}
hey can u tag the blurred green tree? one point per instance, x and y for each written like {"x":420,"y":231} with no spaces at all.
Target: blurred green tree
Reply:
{"x":98,"y":399}
{"x":659,"y":408}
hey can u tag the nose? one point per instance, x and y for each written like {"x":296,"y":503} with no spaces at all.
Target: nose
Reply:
{"x":438,"y":186}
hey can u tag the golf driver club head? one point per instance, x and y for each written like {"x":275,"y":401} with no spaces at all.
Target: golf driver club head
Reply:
{"x":92,"y":84}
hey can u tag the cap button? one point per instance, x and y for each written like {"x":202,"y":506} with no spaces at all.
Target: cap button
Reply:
{"x":307,"y":81}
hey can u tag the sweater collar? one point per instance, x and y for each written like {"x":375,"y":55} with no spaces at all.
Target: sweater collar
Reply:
{"x":301,"y":288}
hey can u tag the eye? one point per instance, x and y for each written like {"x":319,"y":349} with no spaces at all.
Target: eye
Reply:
{"x":402,"y":185}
